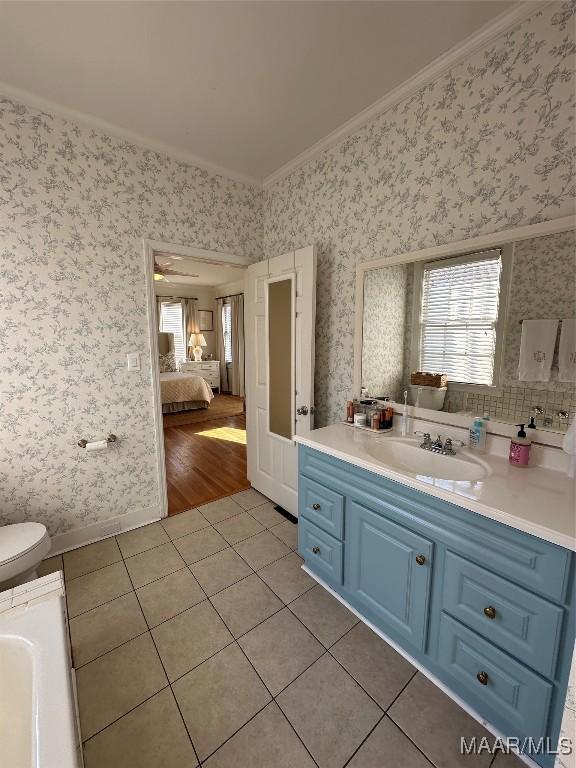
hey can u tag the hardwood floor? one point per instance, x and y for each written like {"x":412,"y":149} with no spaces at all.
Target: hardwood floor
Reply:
{"x":205,"y":461}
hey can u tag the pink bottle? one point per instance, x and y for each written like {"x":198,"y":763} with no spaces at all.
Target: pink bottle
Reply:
{"x":520,"y":449}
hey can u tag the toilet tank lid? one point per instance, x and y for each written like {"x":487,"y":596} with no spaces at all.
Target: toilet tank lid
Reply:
{"x":19,"y":538}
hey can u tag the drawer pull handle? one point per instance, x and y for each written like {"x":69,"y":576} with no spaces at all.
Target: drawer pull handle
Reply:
{"x":490,"y":611}
{"x":482,"y":678}
{"x":420,"y":559}
{"x":316,"y":506}
{"x":316,"y":550}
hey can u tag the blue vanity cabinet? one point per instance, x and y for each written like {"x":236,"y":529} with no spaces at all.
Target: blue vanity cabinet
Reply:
{"x":388,"y":570}
{"x":487,"y":609}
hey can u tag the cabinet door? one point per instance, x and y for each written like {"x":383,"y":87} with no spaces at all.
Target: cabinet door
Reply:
{"x":388,"y":571}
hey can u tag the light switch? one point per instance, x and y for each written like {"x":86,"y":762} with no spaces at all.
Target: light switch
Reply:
{"x":133,"y":361}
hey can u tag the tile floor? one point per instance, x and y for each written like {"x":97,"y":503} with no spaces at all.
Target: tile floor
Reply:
{"x":200,"y":641}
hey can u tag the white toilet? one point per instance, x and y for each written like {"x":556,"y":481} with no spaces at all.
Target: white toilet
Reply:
{"x":427,"y":397}
{"x":23,"y":546}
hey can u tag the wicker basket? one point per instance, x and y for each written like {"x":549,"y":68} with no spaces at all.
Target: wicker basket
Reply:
{"x":426,"y":379}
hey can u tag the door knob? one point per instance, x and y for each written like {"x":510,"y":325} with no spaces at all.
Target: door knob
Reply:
{"x":490,"y":611}
{"x":316,"y":550}
{"x":420,"y":559}
{"x":316,"y":506}
{"x":302,"y":411}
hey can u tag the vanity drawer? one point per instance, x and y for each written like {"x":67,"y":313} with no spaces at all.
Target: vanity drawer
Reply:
{"x":322,"y":552}
{"x":521,"y":623}
{"x":512,"y":697}
{"x":322,"y":506}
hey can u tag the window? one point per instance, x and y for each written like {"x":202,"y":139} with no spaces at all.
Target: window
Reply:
{"x":459,"y":313}
{"x":227,"y":332}
{"x":171,"y":322}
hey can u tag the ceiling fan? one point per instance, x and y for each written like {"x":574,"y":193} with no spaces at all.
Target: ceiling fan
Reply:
{"x":162,"y":271}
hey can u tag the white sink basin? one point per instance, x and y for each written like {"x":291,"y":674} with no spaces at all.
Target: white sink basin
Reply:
{"x":406,"y":455}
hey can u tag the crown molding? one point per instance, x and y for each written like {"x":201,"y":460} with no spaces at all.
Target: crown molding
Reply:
{"x":90,"y":121}
{"x":470,"y":45}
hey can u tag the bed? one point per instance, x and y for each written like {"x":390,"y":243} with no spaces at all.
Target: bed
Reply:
{"x":184,"y":392}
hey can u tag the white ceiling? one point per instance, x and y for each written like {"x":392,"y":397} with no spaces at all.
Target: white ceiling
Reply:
{"x":200,"y":273}
{"x":243,"y":85}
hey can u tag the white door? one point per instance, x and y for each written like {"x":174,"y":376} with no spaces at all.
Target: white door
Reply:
{"x":280,"y":315}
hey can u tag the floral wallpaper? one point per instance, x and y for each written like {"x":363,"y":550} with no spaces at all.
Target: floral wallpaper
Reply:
{"x":543,"y":286}
{"x":74,"y":207}
{"x":386,"y":294}
{"x":486,"y":147}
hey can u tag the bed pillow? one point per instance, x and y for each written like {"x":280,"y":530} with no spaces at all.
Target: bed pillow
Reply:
{"x":167,"y":363}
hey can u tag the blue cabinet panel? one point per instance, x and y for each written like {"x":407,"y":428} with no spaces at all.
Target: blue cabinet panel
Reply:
{"x":504,"y":691}
{"x":322,"y":506}
{"x":388,"y":571}
{"x":322,"y":552}
{"x":518,"y":621}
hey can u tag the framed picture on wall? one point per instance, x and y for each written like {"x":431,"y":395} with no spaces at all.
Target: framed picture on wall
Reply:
{"x":205,"y":320}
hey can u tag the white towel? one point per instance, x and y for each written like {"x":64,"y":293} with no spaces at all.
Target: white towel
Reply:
{"x":569,"y":447}
{"x":567,"y":351}
{"x":537,"y":349}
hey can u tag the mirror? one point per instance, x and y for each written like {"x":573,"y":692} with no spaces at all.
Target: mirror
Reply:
{"x":463,"y":316}
{"x":280,"y":357}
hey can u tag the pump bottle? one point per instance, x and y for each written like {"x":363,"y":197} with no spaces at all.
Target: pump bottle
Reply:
{"x":520,"y":448}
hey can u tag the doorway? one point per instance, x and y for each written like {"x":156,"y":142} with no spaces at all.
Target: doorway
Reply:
{"x":196,"y":301}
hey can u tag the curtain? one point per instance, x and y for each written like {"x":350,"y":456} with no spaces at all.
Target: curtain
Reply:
{"x":220,"y":351}
{"x":236,"y":379}
{"x":189,"y":320}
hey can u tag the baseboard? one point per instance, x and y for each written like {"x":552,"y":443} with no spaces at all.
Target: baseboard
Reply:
{"x":79,"y":537}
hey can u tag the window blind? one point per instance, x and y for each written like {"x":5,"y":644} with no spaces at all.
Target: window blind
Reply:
{"x":171,"y":322}
{"x":227,"y":332}
{"x":459,"y":315}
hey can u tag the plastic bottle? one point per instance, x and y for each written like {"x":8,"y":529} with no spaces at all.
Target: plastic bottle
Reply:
{"x":520,"y":446}
{"x":477,"y":435}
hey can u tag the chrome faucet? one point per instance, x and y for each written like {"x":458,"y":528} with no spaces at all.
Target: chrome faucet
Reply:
{"x":426,"y":443}
{"x":449,"y":444}
{"x":436,"y":446}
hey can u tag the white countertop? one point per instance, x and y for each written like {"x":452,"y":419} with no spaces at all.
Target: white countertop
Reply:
{"x":535,"y":500}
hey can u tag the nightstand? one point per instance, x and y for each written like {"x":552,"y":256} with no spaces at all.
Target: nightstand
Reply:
{"x":208,"y":369}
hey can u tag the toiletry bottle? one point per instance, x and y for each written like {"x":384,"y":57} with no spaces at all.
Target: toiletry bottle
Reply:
{"x":350,"y":412}
{"x":376,"y":420}
{"x":387,"y":417}
{"x":477,"y":434}
{"x":520,"y":448}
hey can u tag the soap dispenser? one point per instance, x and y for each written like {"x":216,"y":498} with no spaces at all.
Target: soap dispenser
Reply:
{"x":520,"y":448}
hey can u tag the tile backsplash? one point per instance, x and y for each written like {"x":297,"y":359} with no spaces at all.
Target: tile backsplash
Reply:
{"x":516,"y":404}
